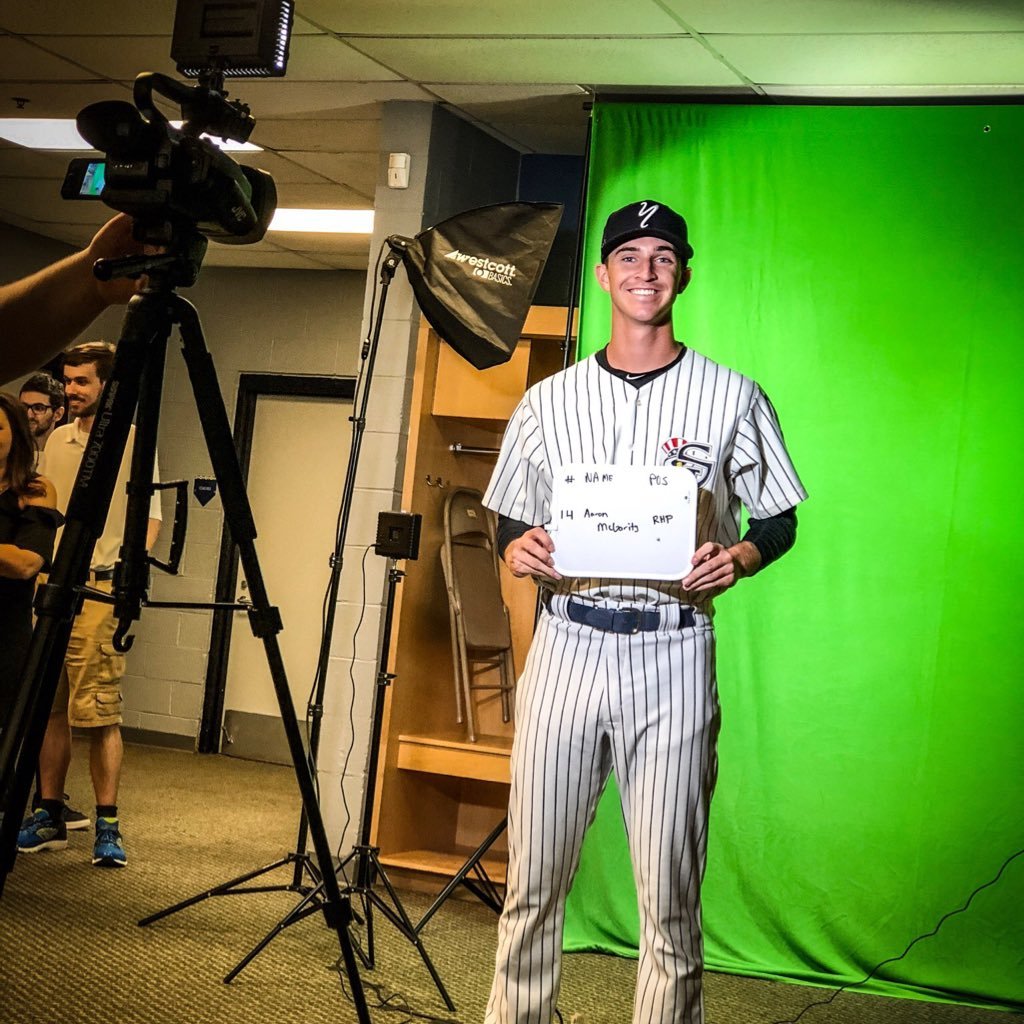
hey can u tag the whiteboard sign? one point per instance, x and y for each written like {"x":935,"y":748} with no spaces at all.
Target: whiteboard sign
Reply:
{"x":624,"y":522}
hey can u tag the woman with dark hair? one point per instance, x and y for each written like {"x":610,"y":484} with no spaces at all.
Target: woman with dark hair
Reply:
{"x":28,"y":524}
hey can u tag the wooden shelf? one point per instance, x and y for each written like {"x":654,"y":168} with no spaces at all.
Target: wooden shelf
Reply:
{"x":451,"y":754}
{"x":438,"y":795}
{"x":445,"y":863}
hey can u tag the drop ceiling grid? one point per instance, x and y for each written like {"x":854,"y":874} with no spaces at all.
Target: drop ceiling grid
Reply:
{"x":538,"y":18}
{"x":677,"y":60}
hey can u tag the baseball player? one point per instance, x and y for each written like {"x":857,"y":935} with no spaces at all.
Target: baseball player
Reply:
{"x":621,"y":673}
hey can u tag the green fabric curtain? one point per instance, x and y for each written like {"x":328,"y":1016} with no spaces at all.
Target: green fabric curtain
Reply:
{"x":864,"y":264}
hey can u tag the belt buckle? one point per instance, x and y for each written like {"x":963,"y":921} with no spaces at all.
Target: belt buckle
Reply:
{"x":633,"y":616}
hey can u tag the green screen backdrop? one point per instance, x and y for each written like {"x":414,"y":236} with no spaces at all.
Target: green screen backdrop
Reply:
{"x":864,"y":264}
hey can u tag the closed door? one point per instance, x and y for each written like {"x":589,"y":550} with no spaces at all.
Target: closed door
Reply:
{"x":299,"y":454}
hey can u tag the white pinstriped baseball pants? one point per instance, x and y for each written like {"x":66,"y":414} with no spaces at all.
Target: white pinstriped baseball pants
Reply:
{"x":590,"y":702}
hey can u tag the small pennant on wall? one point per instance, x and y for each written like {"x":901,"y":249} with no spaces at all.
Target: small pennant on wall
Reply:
{"x":204,"y":489}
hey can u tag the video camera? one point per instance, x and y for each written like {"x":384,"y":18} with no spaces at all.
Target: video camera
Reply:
{"x":173,"y":181}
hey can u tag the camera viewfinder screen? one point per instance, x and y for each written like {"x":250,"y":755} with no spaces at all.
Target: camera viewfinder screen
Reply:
{"x":94,"y":179}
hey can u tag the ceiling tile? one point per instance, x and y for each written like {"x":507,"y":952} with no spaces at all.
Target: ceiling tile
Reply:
{"x":669,"y":61}
{"x":853,"y":16}
{"x":310,"y":242}
{"x":72,"y":17}
{"x":73,"y":235}
{"x":880,"y":92}
{"x":878,"y":59}
{"x":40,"y":201}
{"x":508,"y":97}
{"x":486,"y":17}
{"x":114,"y":56}
{"x":327,"y":99}
{"x":23,"y":62}
{"x":342,"y":261}
{"x":323,"y":58}
{"x":283,"y":169}
{"x":323,"y":196}
{"x":326,"y":136}
{"x":17,"y":162}
{"x":247,"y":256}
{"x":65,"y":99}
{"x":357,"y":170}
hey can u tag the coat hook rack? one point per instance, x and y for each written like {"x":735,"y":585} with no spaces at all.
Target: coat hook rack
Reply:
{"x":465,"y":449}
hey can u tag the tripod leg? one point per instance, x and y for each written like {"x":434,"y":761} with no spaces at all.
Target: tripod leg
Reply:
{"x":309,"y":904}
{"x":472,"y":864}
{"x":264,"y":618}
{"x":400,"y":919}
{"x":223,"y":889}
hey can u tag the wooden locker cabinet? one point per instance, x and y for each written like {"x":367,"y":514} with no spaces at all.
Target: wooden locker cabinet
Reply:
{"x":437,"y":794}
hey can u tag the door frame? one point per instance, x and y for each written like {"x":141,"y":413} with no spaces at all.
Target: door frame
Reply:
{"x":251,"y":387}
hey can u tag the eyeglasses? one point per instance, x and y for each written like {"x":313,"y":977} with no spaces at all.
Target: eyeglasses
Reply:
{"x":37,"y":407}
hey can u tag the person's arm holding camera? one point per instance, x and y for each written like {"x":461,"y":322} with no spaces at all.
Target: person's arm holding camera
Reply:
{"x":41,"y":314}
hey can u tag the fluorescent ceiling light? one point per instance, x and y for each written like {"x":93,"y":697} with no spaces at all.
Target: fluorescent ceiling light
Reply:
{"x":43,"y":133}
{"x":61,"y":133}
{"x":335,"y":222}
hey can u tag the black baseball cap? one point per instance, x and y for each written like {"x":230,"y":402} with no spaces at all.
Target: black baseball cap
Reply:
{"x":641,"y":219}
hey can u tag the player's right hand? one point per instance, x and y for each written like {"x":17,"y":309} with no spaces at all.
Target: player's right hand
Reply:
{"x":531,"y":555}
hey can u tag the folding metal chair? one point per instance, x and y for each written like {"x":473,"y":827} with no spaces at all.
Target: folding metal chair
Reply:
{"x":480,"y":628}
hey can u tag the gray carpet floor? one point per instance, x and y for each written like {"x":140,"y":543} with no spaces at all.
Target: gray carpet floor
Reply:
{"x":71,"y":950}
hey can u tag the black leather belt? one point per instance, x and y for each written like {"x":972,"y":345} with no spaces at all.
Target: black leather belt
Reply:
{"x":101,"y":574}
{"x":626,"y":621}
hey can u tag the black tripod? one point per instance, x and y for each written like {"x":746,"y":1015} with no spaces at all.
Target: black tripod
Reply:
{"x":135,"y":385}
{"x":361,"y":870}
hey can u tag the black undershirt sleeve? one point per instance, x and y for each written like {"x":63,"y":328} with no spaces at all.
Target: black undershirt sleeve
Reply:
{"x":772,"y":536}
{"x":508,"y":531}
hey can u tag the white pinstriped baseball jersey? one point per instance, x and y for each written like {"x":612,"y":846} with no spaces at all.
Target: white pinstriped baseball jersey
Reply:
{"x":711,"y":419}
{"x":644,"y":704}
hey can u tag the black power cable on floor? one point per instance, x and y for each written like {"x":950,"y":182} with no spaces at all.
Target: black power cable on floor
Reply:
{"x":910,"y":945}
{"x":393,"y":1002}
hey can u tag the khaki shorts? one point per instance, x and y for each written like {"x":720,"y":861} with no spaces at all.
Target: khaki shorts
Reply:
{"x":90,"y":681}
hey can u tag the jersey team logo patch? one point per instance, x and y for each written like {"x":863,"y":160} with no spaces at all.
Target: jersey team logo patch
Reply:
{"x":694,"y":455}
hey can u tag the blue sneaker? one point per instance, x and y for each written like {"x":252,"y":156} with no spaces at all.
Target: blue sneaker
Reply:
{"x":108,"y":850}
{"x":73,"y":820}
{"x":41,"y":832}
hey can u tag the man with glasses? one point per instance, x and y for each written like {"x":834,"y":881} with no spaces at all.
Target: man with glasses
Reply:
{"x":43,"y":399}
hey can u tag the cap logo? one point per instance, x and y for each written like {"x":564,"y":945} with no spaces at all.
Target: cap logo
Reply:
{"x":647,"y":212}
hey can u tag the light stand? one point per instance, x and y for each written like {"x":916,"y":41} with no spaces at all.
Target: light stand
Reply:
{"x":308,"y":879}
{"x":363,"y":862}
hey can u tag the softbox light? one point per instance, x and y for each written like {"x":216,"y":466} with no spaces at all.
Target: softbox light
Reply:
{"x":475,"y":275}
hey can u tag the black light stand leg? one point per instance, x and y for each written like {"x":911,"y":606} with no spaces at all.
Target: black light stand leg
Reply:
{"x":367,"y":869}
{"x":232,"y":888}
{"x":482,"y":887}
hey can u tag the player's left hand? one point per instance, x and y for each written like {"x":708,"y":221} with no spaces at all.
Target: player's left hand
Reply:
{"x":717,"y":568}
